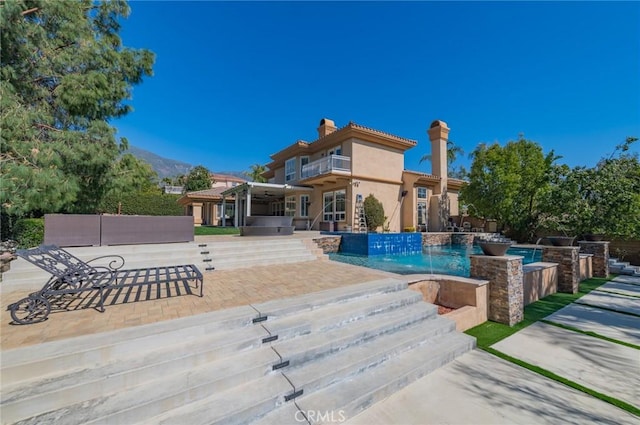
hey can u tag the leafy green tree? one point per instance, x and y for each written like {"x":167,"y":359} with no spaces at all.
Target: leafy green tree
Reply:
{"x":604,"y":199}
{"x":374,"y":212}
{"x":198,"y":179}
{"x":64,"y":75}
{"x":255,"y":173}
{"x":509,"y":183}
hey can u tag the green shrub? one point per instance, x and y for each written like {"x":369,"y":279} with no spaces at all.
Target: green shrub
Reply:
{"x":374,"y":212}
{"x":29,"y":232}
{"x":143,"y":204}
{"x":410,"y":229}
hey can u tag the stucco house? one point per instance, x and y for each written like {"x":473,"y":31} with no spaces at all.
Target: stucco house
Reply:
{"x":206,"y":205}
{"x":318,"y":183}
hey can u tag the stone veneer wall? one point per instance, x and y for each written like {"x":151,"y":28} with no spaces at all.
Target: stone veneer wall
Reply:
{"x":600,"y":259}
{"x":568,"y":260}
{"x":462,"y":238}
{"x":451,"y":238}
{"x":432,"y":239}
{"x":328,"y":244}
{"x":506,"y":288}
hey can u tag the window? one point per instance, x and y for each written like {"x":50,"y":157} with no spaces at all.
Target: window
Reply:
{"x":290,"y":169}
{"x":304,"y":160}
{"x":290,"y":206}
{"x":304,"y":205}
{"x":335,"y":151}
{"x":277,"y":208}
{"x":328,"y":207}
{"x":335,"y":205}
{"x":422,"y":213}
{"x":422,"y":193}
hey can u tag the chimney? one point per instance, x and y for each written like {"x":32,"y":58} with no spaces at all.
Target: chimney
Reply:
{"x":439,"y":135}
{"x":326,"y":127}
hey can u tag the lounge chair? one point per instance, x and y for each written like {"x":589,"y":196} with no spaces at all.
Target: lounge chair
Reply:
{"x":70,"y":275}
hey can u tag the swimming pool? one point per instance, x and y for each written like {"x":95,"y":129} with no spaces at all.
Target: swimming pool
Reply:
{"x":453,"y":260}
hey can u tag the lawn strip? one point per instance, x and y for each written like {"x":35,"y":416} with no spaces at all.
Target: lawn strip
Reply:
{"x":590,"y":333}
{"x":548,"y":374}
{"x":211,"y":230}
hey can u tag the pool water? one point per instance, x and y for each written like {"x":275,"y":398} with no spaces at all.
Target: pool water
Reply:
{"x":453,"y":260}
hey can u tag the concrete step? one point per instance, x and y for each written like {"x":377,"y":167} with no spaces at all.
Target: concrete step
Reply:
{"x":343,"y":364}
{"x":315,"y":375}
{"x":81,"y":361}
{"x":251,"y":242}
{"x":254,"y":247}
{"x":250,"y":255}
{"x":220,"y":368}
{"x":240,"y":264}
{"x":348,"y":397}
{"x":52,"y":359}
{"x":239,"y":405}
{"x":317,"y":345}
{"x":339,"y":314}
{"x":139,"y":390}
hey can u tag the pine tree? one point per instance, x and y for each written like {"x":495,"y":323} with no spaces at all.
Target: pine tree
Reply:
{"x":64,"y":75}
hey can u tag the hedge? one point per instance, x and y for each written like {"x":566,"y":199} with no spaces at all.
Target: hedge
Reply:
{"x":29,"y":232}
{"x":143,"y":204}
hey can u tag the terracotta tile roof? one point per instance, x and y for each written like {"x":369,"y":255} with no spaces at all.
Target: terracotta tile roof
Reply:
{"x":382,"y":133}
{"x":207,"y":194}
{"x":421,"y":174}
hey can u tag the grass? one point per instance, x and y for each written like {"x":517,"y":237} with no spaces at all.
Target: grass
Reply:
{"x":212,"y":230}
{"x":490,"y":333}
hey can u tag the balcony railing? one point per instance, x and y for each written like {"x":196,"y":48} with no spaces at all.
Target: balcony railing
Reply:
{"x":326,"y":165}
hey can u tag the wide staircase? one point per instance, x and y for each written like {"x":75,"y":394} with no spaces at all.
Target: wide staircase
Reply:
{"x":223,"y":254}
{"x":333,"y":352}
{"x":623,"y":267}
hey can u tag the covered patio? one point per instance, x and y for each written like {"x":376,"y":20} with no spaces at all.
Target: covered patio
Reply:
{"x":269,"y":199}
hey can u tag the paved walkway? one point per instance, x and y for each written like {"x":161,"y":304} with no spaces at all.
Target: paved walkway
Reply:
{"x":479,"y":388}
{"x":222,"y":289}
{"x":622,"y":327}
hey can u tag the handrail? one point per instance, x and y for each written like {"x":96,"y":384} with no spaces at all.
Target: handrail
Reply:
{"x":326,"y":165}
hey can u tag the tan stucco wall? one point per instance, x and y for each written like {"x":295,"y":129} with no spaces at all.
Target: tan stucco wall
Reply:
{"x":468,"y":296}
{"x":388,"y":194}
{"x":371,"y":160}
{"x":279,"y":176}
{"x":539,"y":280}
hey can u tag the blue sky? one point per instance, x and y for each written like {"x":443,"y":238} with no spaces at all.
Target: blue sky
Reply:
{"x":236,"y":82}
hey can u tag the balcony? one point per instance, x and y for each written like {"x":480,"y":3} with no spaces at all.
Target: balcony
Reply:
{"x":326,"y":168}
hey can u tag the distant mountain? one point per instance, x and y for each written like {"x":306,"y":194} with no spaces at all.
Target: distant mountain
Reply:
{"x":165,"y":167}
